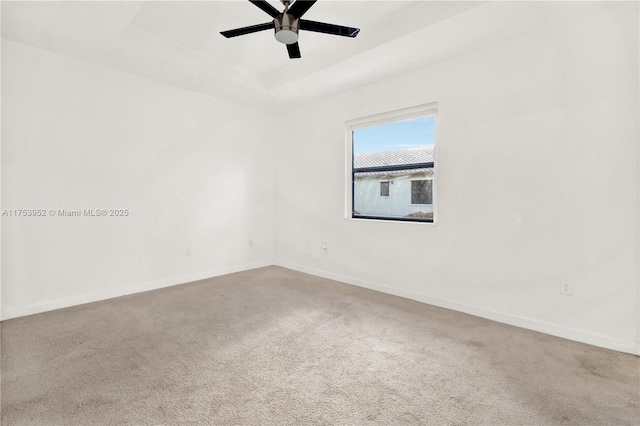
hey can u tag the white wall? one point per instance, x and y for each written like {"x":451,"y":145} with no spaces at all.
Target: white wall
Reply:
{"x":193,"y":171}
{"x":537,"y":162}
{"x":368,"y":201}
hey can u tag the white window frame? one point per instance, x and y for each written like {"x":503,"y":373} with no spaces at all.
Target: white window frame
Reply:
{"x":409,"y":113}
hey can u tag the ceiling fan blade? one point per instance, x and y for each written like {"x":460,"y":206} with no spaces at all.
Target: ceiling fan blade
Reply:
{"x":294,"y":50}
{"x":322,"y":27}
{"x":247,"y":30}
{"x":262,"y":4}
{"x":300,"y":7}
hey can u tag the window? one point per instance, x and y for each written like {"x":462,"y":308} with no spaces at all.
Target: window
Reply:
{"x":384,"y":189}
{"x":421,"y":191}
{"x":392,"y":165}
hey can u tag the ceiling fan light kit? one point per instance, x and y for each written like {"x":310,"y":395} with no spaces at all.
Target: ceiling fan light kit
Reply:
{"x":286,"y":28}
{"x":288,"y":23}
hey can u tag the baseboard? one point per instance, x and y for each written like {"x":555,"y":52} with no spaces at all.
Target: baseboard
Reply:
{"x":21,"y":311}
{"x":523,"y":322}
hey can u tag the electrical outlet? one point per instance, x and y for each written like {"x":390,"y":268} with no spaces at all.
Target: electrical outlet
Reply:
{"x":324,"y":247}
{"x":566,"y":288}
{"x":187,"y":252}
{"x":250,"y":243}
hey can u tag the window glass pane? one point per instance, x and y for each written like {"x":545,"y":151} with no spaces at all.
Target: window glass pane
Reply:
{"x":384,"y":189}
{"x":393,"y":170}
{"x":421,"y":191}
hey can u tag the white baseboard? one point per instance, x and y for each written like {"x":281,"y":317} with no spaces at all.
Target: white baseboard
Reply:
{"x":523,"y":322}
{"x":21,"y":311}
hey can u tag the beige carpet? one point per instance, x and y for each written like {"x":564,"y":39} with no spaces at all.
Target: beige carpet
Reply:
{"x":277,"y":347}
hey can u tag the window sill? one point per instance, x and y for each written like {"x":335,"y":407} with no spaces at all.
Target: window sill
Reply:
{"x":391,"y":219}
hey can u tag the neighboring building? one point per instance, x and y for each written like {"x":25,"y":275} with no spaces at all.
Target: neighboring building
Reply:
{"x":394,"y":183}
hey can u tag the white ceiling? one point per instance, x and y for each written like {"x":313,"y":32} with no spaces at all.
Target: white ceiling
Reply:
{"x":179,"y":42}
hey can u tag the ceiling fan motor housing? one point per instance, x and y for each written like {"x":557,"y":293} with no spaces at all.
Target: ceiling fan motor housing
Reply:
{"x":287,"y":23}
{"x":286,"y":28}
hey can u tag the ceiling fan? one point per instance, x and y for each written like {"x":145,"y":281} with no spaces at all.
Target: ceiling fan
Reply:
{"x":287,"y":24}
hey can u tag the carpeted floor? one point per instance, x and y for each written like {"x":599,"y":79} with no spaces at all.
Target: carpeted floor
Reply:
{"x":276,"y":347}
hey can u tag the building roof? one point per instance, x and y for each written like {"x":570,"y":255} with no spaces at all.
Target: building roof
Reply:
{"x":389,"y":158}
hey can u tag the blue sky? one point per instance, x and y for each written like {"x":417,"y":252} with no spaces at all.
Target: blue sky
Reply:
{"x":399,"y":135}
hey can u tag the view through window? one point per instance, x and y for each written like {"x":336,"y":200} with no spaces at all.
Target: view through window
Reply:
{"x":393,"y":170}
